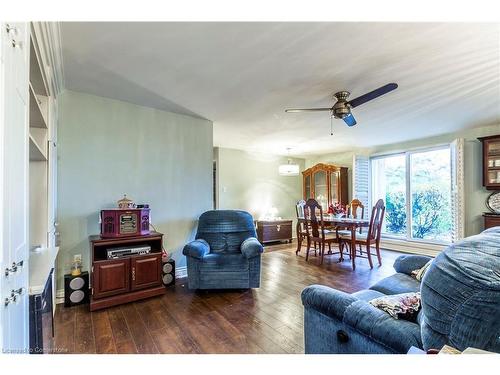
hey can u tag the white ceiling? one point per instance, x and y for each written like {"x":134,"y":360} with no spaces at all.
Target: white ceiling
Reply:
{"x":243,"y":75}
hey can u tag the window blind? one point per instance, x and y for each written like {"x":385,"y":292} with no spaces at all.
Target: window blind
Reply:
{"x":361,"y":181}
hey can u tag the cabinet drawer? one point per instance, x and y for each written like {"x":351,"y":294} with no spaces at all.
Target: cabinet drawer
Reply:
{"x":111,"y":277}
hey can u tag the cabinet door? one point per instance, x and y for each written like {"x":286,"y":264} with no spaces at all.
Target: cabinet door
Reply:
{"x":14,"y":239}
{"x":111,"y":277}
{"x":321,"y":189}
{"x":146,"y":271}
{"x":492,"y":163}
{"x":307,"y":187}
{"x":334,"y":187}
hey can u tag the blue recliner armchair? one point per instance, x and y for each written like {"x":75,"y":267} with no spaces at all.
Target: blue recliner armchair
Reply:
{"x":460,"y":305}
{"x":226,"y":253}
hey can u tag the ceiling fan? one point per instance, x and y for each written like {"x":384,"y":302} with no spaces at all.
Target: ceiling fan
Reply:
{"x":342,"y":107}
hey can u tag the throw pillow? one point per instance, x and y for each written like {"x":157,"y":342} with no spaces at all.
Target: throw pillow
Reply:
{"x":419,"y":273}
{"x":399,"y":306}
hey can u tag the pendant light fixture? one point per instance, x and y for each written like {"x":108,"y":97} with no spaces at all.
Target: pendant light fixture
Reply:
{"x":288,"y":169}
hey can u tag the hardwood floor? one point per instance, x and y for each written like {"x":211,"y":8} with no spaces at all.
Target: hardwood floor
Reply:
{"x":264,"y":320}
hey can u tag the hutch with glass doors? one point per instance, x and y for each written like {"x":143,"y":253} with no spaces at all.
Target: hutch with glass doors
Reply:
{"x":326,"y":183}
{"x":491,"y":178}
{"x":491,"y":162}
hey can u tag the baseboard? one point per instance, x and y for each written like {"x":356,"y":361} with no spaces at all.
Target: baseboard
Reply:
{"x":180,"y":272}
{"x":412,"y":247}
{"x":59,"y":296}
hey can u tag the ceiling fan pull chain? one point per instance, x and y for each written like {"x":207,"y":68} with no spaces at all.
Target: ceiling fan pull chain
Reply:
{"x":331,"y":124}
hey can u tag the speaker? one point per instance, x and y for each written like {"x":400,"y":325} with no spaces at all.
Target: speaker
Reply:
{"x":76,"y":289}
{"x":168,"y":272}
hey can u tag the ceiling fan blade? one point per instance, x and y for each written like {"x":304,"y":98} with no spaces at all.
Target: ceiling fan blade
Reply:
{"x":373,"y":94}
{"x":293,"y":110}
{"x":350,"y":120}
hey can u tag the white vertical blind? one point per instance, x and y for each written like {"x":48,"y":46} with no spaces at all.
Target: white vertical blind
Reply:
{"x":457,"y":189}
{"x":361,"y":181}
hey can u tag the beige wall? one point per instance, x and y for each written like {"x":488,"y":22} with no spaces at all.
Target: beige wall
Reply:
{"x":251,"y":182}
{"x":475,"y":193}
{"x":108,"y":148}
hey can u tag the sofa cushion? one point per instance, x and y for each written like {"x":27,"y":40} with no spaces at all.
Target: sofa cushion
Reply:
{"x":397,"y":284}
{"x":367,"y":294}
{"x":224,"y":263}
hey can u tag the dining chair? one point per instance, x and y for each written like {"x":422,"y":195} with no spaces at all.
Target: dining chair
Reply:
{"x":315,"y":229}
{"x":352,"y":210}
{"x":300,"y":228}
{"x":372,"y":237}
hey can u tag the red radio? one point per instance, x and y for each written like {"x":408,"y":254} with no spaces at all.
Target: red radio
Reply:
{"x":117,"y":222}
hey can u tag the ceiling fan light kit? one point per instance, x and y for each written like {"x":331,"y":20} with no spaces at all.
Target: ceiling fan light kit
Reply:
{"x":342,"y":107}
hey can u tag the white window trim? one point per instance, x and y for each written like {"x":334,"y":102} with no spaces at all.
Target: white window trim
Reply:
{"x":413,"y":245}
{"x":458,"y":188}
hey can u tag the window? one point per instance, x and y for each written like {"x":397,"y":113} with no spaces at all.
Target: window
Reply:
{"x":389,"y":183}
{"x":417,"y":189}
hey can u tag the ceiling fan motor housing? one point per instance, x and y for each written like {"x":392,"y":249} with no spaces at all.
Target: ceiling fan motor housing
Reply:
{"x":341,"y":108}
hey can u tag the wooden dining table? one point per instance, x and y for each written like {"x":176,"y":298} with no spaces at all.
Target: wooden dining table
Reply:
{"x":332,"y":222}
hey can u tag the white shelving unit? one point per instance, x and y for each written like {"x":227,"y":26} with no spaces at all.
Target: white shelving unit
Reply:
{"x":38,"y":110}
{"x":36,"y":151}
{"x":39,"y":116}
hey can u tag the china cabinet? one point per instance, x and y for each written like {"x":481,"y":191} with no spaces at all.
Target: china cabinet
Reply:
{"x":326,"y":183}
{"x":491,"y":162}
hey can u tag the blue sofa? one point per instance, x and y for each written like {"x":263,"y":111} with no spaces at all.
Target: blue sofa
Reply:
{"x":226,"y":253}
{"x":460,"y":305}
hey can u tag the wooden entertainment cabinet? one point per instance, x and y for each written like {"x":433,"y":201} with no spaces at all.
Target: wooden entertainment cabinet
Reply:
{"x":127,"y":279}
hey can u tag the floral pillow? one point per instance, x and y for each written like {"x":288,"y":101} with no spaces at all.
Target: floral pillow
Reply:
{"x":419,"y":273}
{"x":399,"y":306}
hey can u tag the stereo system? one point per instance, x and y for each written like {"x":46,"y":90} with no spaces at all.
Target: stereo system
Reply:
{"x":76,"y":289}
{"x":168,"y":272}
{"x":119,"y":252}
{"x":124,"y":222}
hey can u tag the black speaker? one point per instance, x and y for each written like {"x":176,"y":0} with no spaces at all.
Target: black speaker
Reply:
{"x":168,"y":272}
{"x":76,"y":289}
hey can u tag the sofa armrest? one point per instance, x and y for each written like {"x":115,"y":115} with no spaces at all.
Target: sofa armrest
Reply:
{"x":251,"y":247}
{"x":328,"y":301}
{"x":196,"y":249}
{"x":397,"y":334}
{"x":408,"y":263}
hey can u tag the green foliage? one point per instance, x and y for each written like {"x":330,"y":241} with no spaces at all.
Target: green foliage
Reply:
{"x":396,"y":212}
{"x":431,"y":217}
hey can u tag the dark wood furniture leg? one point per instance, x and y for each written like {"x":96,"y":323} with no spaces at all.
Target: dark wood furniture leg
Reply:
{"x":353,"y":247}
{"x":377,"y":247}
{"x":322,"y":251}
{"x":369,"y":253}
{"x":308,"y":248}
{"x":299,"y":239}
